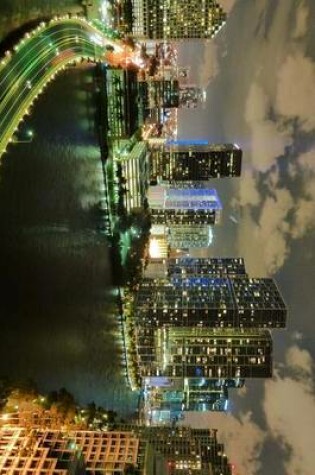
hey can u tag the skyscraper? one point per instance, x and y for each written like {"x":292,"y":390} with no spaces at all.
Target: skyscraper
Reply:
{"x":177,"y":19}
{"x":206,"y":266}
{"x":173,"y":206}
{"x":175,"y":163}
{"x":210,"y":302}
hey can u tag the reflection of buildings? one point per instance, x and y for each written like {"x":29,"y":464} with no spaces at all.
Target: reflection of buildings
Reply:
{"x":175,"y":163}
{"x":177,"y":19}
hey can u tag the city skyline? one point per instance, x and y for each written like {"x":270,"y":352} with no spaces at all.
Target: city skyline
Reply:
{"x":267,"y":219}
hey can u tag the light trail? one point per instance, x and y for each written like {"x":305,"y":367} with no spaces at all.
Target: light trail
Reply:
{"x":40,"y":55}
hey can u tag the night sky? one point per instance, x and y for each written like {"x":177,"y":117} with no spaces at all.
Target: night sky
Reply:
{"x":260,"y":75}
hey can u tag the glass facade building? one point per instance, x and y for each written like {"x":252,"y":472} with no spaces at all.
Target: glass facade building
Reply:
{"x":177,"y":19}
{"x":212,"y":302}
{"x":176,"y":163}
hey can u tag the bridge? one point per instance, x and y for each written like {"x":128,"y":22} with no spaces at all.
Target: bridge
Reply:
{"x":40,"y":55}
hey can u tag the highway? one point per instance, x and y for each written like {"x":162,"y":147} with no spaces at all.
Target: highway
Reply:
{"x":35,"y":60}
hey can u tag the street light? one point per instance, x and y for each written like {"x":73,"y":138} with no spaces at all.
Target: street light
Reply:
{"x":28,"y":139}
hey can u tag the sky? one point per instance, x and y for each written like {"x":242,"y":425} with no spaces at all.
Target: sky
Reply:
{"x":259,"y":73}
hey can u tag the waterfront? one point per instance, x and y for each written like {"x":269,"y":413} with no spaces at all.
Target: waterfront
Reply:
{"x":55,"y":278}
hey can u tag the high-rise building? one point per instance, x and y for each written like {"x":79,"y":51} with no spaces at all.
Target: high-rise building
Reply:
{"x":174,"y":206}
{"x":187,"y":450}
{"x":177,"y":19}
{"x":166,"y":400}
{"x":169,"y":93}
{"x":191,"y":96}
{"x":131,"y":162}
{"x":191,"y":352}
{"x":181,"y":163}
{"x":161,"y":93}
{"x":205,"y":266}
{"x":190,"y":236}
{"x":182,"y":216}
{"x":210,"y":302}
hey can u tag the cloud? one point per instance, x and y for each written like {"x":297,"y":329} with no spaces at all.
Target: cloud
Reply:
{"x":303,"y":218}
{"x":299,"y":360}
{"x":209,"y":68}
{"x":268,"y":138}
{"x":289,"y":407}
{"x":242,"y":437}
{"x":295,"y":97}
{"x":307,"y":161}
{"x":227,"y":5}
{"x":301,"y":21}
{"x":274,"y":228}
{"x":248,"y":193}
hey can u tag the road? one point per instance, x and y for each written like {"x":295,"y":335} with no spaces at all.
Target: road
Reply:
{"x":35,"y":60}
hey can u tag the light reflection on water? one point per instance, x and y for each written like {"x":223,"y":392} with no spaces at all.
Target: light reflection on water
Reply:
{"x":57,"y":308}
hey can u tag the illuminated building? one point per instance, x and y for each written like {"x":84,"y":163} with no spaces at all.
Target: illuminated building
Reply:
{"x":49,"y":452}
{"x":122,"y":102}
{"x":142,"y":450}
{"x":192,"y":352}
{"x":177,"y":19}
{"x":167,"y":399}
{"x":190,"y":236}
{"x":212,"y":302}
{"x":158,"y":245}
{"x":173,"y":162}
{"x":191,"y":96}
{"x":169,"y":93}
{"x":174,"y":206}
{"x":162,"y":93}
{"x":207,"y":266}
{"x":132,"y":158}
{"x":187,"y":450}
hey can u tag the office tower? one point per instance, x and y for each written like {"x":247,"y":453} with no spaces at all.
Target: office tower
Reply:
{"x":191,"y":96}
{"x":168,"y":93}
{"x":161,"y":93}
{"x":131,"y":162}
{"x":192,"y":352}
{"x":182,"y":216}
{"x":177,"y":19}
{"x":205,"y":266}
{"x":158,"y":245}
{"x":210,"y":302}
{"x":188,"y":450}
{"x":181,"y":163}
{"x":174,"y":206}
{"x":190,"y":236}
{"x":168,"y":399}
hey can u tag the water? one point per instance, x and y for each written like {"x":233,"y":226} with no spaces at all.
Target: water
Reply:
{"x":57,"y":308}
